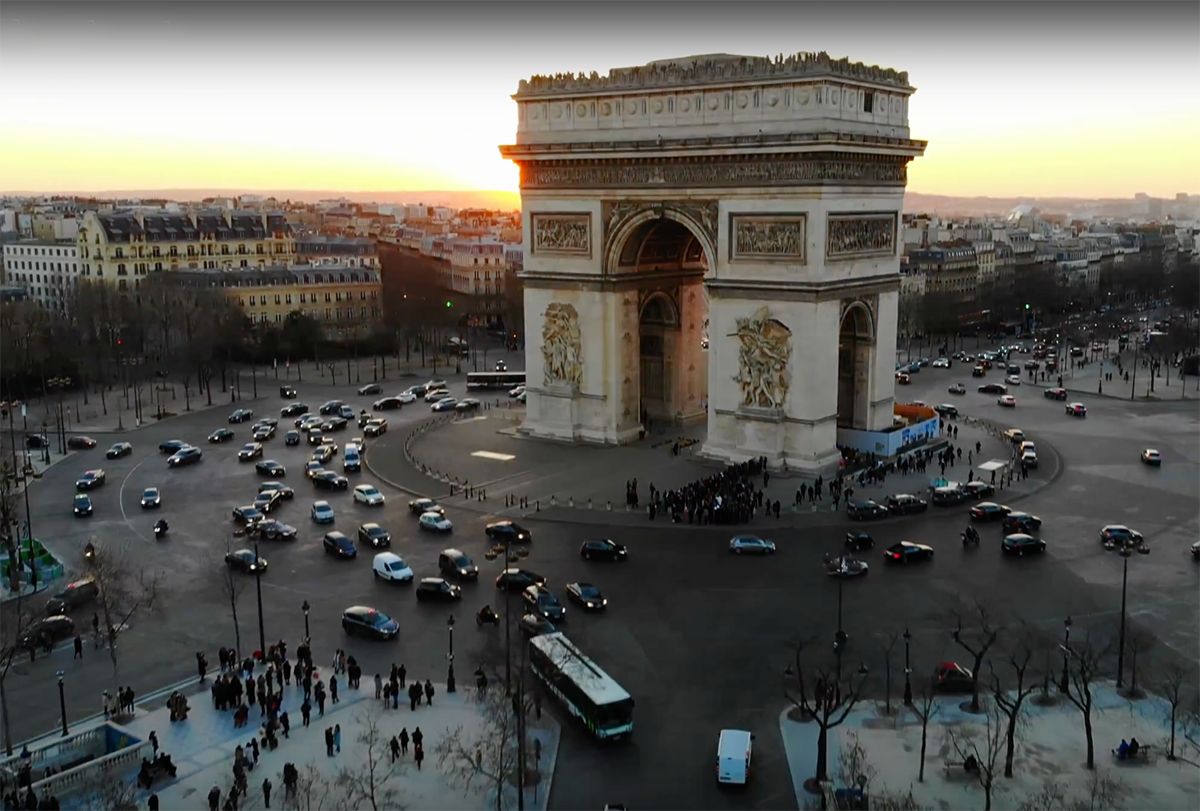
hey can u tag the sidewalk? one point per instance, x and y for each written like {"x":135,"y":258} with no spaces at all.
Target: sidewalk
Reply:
{"x":36,"y":458}
{"x":202,"y":749}
{"x":1050,"y":748}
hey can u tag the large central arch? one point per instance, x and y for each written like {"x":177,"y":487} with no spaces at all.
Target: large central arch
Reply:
{"x":697,"y":234}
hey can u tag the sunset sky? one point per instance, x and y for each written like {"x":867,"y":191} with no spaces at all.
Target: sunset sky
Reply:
{"x":1069,"y":99}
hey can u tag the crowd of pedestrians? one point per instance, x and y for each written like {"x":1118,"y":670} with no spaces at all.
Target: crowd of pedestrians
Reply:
{"x":729,"y":497}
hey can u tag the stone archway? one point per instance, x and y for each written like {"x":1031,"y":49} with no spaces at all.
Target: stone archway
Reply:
{"x":856,"y":342}
{"x":754,"y":195}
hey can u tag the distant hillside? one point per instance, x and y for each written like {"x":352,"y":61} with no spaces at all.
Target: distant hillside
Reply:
{"x":503,"y":200}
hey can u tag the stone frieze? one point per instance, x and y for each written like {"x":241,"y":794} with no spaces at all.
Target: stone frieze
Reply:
{"x":772,"y":237}
{"x":850,"y":236}
{"x":561,"y":234}
{"x":792,"y":171}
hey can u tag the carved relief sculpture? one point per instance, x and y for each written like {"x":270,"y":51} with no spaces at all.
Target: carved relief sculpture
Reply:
{"x":763,"y":360}
{"x":850,"y":236}
{"x":562,"y":345}
{"x":562,"y":234}
{"x":770,"y":238}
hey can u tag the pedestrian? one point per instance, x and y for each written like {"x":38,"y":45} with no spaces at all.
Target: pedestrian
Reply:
{"x":337,"y":736}
{"x":306,"y":711}
{"x":387,"y":695}
{"x":154,"y":741}
{"x":378,"y":686}
{"x":214,"y":798}
{"x":201,"y":664}
{"x":78,"y":646}
{"x":319,"y":693}
{"x":395,"y":748}
{"x":285,"y":723}
{"x":266,"y":788}
{"x":152,"y":802}
{"x":254,"y":749}
{"x":428,"y":692}
{"x":418,"y":737}
{"x":328,"y":742}
{"x":418,"y":755}
{"x":333,"y":689}
{"x":414,"y":696}
{"x":287,"y":672}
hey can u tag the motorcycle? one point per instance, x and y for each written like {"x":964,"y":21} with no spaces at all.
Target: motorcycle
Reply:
{"x":487,"y":616}
{"x":971,"y":536}
{"x":160,"y":529}
{"x":89,"y":552}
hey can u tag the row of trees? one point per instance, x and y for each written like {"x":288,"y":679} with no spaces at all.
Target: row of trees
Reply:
{"x":1012,"y":663}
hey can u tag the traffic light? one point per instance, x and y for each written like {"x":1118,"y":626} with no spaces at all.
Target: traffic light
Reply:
{"x":1026,"y":306}
{"x":449,"y":303}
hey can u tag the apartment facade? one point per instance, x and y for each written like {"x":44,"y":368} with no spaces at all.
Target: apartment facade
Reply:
{"x":47,"y":270}
{"x":949,"y":268}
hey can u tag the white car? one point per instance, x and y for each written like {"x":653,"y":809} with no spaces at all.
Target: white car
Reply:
{"x":433,"y":395}
{"x":1029,"y":459}
{"x":367,"y":494}
{"x":1013,"y":380}
{"x":390,"y":566}
{"x":516,"y":392}
{"x":435,"y":522}
{"x":1007,"y":400}
{"x":406,"y":397}
{"x":941,"y":363}
{"x":1151,"y":457}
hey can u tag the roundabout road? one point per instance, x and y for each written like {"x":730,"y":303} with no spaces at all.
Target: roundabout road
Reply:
{"x":699,"y":638}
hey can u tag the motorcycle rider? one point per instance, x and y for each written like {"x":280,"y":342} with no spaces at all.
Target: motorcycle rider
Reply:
{"x":486,"y":614}
{"x":971,"y":534}
{"x":161,"y":527}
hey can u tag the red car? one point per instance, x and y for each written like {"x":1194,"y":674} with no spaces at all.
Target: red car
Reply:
{"x":950,"y":677}
{"x":81,"y":443}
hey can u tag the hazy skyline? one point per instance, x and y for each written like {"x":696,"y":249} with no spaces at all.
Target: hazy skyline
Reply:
{"x":1051,"y":99}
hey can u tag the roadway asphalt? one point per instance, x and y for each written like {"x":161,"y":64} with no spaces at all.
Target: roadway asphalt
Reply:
{"x":698,"y":638}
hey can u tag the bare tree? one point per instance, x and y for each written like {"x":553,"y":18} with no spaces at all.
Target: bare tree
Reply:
{"x":976,"y":636}
{"x":232,"y":587}
{"x":1010,"y":701}
{"x":888,"y":641}
{"x":827,"y":704}
{"x":1086,"y":661}
{"x":981,"y":745}
{"x":490,"y":755}
{"x":125,"y":588}
{"x":1103,"y":792}
{"x":9,"y":522}
{"x":367,"y":783}
{"x":854,"y":765}
{"x":1172,"y":686}
{"x":108,"y":791}
{"x":1138,"y":640}
{"x":926,"y":709}
{"x":314,"y":791}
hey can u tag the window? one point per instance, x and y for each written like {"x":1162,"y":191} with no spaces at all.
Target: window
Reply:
{"x":287,"y":299}
{"x":328,"y":296}
{"x":363,"y":312}
{"x":328,"y":313}
{"x":277,"y":297}
{"x":868,"y":101}
{"x":339,"y":313}
{"x":121,"y":270}
{"x":338,"y":295}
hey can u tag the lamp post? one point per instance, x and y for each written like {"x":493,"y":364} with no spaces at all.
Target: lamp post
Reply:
{"x":908,"y":699}
{"x":1064,"y":683}
{"x":450,"y":656}
{"x":58,"y":384}
{"x":1125,"y":553}
{"x":262,"y":636}
{"x":305,"y":608}
{"x":840,"y":637}
{"x":62,"y":702}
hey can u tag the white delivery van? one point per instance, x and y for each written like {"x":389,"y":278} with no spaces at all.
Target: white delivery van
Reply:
{"x":351,"y":461}
{"x":734,"y":747}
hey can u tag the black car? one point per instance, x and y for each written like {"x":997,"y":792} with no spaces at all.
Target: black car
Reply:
{"x":90,"y":480}
{"x":46,"y":631}
{"x":989,"y":511}
{"x":905,"y":552}
{"x":37,"y":441}
{"x":387,"y":404}
{"x":291,"y":438}
{"x":453,"y":563}
{"x":976,"y":490}
{"x":270,"y":467}
{"x":185,"y":456}
{"x":244,"y":560}
{"x":272,"y":530}
{"x":370,"y":388}
{"x":993,"y":388}
{"x":151,"y":498}
{"x":82,"y":505}
{"x":859,"y":541}
{"x":904,"y":504}
{"x":1020,"y":543}
{"x":220,"y":435}
{"x":947,"y":411}
{"x":241,"y":415}
{"x":863,"y":510}
{"x":603,"y":549}
{"x":331,"y":407}
{"x":948,"y":496}
{"x":328,"y":480}
{"x":374,"y":535}
{"x":248,"y":515}
{"x":334,"y":424}
{"x":339,"y":545}
{"x":293,"y":410}
{"x":587,"y":596}
{"x":118,"y":450}
{"x":1021,"y":522}
{"x":421,"y":506}
{"x":251,"y":450}
{"x":284,"y":491}
{"x":540,"y":600}
{"x":75,"y":595}
{"x":515,"y":580}
{"x":435,"y":588}
{"x":952,"y":678}
{"x":287,"y":391}
{"x":80,"y":443}
{"x":363,"y":621}
{"x":172,"y":446}
{"x":508,"y":531}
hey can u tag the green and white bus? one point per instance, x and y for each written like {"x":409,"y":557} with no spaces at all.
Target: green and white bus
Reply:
{"x":589,"y":693}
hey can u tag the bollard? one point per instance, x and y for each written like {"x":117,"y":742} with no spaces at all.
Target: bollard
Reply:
{"x":483,"y":496}
{"x":589,"y":503}
{"x":553,"y":500}
{"x":610,"y":506}
{"x":537,"y":505}
{"x":571,"y":501}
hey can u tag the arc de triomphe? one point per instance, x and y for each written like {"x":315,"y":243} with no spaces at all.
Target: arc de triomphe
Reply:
{"x":714,"y":238}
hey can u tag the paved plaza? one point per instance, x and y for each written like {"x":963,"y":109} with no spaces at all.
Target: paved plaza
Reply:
{"x":698,"y":639}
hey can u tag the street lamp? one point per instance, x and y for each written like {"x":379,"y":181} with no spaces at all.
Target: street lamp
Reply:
{"x":840,"y":637}
{"x":450,"y":656}
{"x":908,"y":700}
{"x":262,"y":636}
{"x":304,"y":608}
{"x":62,"y":702}
{"x":1065,"y":683}
{"x":1126,"y":553}
{"x":58,"y":384}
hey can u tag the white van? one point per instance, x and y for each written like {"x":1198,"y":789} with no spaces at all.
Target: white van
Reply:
{"x":734,"y":748}
{"x":351,"y":461}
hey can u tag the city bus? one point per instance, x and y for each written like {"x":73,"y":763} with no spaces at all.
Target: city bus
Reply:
{"x":477,"y":381}
{"x":589,"y":693}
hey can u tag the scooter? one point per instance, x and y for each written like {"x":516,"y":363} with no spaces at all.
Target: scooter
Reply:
{"x":487,"y":616}
{"x":160,"y":530}
{"x":969,"y":538}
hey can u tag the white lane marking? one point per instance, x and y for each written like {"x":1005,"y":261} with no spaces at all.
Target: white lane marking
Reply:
{"x":499,"y":457}
{"x":121,"y":501}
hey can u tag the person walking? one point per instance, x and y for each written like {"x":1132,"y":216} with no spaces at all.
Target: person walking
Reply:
{"x":266,"y":789}
{"x":333,"y":689}
{"x":418,"y":755}
{"x":402,"y":674}
{"x":78,"y":646}
{"x":428,"y":692}
{"x":328,"y":742}
{"x":395,"y":748}
{"x":285,"y":723}
{"x":306,"y":711}
{"x":337,"y":736}
{"x":404,"y":741}
{"x":387,"y":695}
{"x":418,"y":737}
{"x":414,"y":696}
{"x":214,"y":798}
{"x":319,"y":694}
{"x":378,"y":686}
